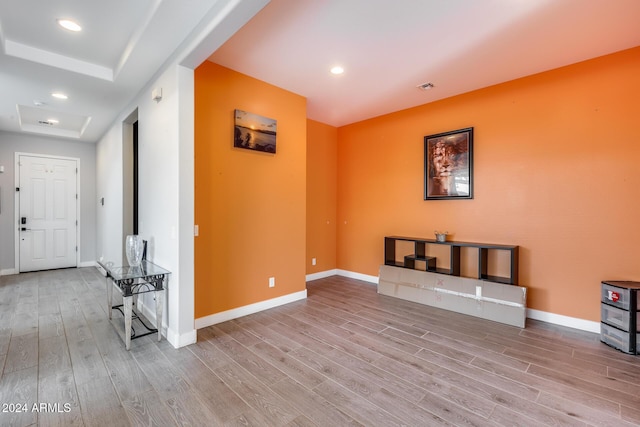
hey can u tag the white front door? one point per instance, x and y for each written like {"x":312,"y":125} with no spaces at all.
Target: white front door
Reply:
{"x":47,"y":223}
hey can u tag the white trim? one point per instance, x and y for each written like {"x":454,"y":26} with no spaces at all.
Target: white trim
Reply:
{"x":87,"y":264}
{"x":358,"y":276}
{"x":16,"y":213}
{"x":321,"y":275}
{"x":8,"y":272}
{"x":183,"y":340}
{"x":78,"y":211}
{"x":40,"y":56}
{"x":559,"y":319}
{"x":235,"y":313}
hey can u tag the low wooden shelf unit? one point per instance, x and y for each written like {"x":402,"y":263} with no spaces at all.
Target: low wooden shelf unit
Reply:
{"x":488,"y":296}
{"x":420,"y":251}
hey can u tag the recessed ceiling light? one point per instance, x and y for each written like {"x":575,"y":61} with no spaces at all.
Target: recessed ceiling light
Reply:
{"x":337,"y":70}
{"x":59,"y":95}
{"x":53,"y":121}
{"x":69,"y":25}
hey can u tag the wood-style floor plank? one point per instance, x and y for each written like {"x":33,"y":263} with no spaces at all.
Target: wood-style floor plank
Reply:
{"x":18,"y":394}
{"x":344,"y":356}
{"x":22,"y":353}
{"x":100,"y":404}
{"x":58,"y":400}
{"x":261,"y":398}
{"x":147,"y":409}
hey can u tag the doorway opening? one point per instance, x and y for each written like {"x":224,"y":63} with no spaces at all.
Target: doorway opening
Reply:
{"x":135,"y":177}
{"x":130,"y":178}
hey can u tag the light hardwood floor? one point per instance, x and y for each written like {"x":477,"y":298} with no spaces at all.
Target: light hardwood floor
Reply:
{"x":344,"y":356}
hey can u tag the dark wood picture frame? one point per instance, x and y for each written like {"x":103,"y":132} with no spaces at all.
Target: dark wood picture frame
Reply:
{"x":448,"y":165}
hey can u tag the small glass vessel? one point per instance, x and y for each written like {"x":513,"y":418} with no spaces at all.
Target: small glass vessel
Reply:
{"x":134,"y":246}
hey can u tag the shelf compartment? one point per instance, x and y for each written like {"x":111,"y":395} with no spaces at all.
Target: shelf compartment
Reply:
{"x":429,"y":262}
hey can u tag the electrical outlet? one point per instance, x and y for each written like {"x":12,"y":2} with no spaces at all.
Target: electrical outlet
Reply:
{"x":313,"y":261}
{"x":272,"y":282}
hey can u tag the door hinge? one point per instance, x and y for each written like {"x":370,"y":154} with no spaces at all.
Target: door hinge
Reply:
{"x":76,"y":249}
{"x":76,"y":222}
{"x":76,"y":196}
{"x":76,"y":171}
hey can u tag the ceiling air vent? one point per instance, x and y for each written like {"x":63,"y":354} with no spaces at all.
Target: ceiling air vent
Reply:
{"x":425,"y":86}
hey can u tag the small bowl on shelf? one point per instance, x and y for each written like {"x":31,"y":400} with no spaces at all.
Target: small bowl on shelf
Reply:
{"x":441,"y":237}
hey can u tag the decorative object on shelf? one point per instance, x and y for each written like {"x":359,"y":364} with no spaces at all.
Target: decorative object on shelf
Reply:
{"x":254,"y":132}
{"x":448,"y":165}
{"x":441,"y":237}
{"x":134,"y":249}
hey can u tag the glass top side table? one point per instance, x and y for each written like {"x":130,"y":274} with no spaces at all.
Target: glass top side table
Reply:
{"x":131,"y":282}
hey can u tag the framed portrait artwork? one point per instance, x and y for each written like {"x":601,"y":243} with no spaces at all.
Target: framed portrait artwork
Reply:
{"x":448,"y":165}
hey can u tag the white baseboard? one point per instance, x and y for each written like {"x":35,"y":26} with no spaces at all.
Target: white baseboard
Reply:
{"x":559,"y":319}
{"x":8,"y":272}
{"x":87,"y":264}
{"x":183,"y":340}
{"x":321,"y":275}
{"x":358,"y":276}
{"x":235,"y":313}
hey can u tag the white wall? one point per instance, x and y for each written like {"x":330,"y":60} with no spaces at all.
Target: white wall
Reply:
{"x":10,"y":143}
{"x":166,"y":182}
{"x":186,"y":198}
{"x":109,"y":163}
{"x":161,"y":204}
{"x":159,"y":197}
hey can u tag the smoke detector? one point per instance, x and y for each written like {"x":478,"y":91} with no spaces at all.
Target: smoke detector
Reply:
{"x":425,"y":86}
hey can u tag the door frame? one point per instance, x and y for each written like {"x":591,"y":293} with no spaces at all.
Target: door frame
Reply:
{"x":16,"y":203}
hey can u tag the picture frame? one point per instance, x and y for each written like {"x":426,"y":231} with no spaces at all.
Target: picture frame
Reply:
{"x":448,"y":165}
{"x":254,"y":132}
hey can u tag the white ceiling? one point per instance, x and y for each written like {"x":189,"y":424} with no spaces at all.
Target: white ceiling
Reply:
{"x":387,"y":48}
{"x":101,"y":69}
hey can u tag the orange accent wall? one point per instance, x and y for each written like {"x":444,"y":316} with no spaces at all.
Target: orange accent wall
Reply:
{"x":250,"y":206}
{"x":322,"y":147}
{"x":556,"y":171}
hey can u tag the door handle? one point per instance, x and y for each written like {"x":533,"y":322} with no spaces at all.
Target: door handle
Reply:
{"x":25,"y":229}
